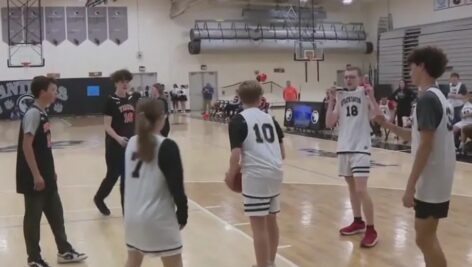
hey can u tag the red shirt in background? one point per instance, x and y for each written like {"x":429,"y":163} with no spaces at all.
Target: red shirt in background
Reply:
{"x":290,"y":94}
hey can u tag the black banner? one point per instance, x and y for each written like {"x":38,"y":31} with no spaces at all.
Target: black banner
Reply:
{"x":304,"y":115}
{"x":82,"y":96}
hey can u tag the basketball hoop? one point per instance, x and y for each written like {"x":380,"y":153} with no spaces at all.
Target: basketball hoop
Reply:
{"x":26,"y":64}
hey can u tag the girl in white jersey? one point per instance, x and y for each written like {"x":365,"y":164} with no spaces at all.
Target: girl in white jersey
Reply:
{"x":430,"y":183}
{"x":155,"y":201}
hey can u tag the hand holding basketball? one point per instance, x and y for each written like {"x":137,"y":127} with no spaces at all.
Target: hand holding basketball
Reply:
{"x":234,"y":182}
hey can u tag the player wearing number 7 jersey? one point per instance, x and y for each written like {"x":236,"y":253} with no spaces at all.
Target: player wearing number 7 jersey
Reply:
{"x":351,"y":111}
{"x":257,"y":149}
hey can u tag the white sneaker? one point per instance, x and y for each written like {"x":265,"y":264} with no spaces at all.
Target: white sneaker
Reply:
{"x":71,"y":257}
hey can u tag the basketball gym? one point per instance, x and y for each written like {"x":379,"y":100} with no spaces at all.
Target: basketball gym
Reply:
{"x":192,"y":43}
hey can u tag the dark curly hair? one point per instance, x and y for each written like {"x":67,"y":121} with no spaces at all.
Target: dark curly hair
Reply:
{"x":121,"y":75}
{"x":433,"y":59}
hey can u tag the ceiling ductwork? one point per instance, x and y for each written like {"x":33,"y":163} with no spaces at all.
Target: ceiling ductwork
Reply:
{"x":242,"y":36}
{"x":274,"y":46}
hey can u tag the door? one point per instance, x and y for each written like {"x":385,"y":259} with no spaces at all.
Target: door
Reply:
{"x":141,"y":80}
{"x":197,"y":80}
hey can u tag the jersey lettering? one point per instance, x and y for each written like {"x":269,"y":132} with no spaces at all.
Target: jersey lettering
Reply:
{"x":129,"y":117}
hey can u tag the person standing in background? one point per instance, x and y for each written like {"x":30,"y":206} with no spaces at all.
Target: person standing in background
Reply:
{"x":182,"y":97}
{"x":290,"y":93}
{"x":158,"y":93}
{"x":174,"y":98}
{"x":457,"y":95}
{"x":207,"y":93}
{"x":404,"y":98}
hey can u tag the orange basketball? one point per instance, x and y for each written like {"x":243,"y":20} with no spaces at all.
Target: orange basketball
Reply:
{"x":236,"y":184}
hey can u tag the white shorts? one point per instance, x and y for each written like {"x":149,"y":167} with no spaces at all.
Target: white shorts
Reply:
{"x":463,"y":123}
{"x":163,"y":253}
{"x":355,"y":164}
{"x":259,"y":206}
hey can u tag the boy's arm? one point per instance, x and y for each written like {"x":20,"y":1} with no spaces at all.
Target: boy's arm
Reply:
{"x":281,"y":136}
{"x":237,"y":130}
{"x":332,"y":112}
{"x":30,"y":125}
{"x":403,"y":133}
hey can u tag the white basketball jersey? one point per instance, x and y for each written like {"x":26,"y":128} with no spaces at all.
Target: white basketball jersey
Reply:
{"x":354,"y":127}
{"x":261,"y":161}
{"x":150,"y":220}
{"x":467,"y":110}
{"x":455,"y":90}
{"x":435,"y":182}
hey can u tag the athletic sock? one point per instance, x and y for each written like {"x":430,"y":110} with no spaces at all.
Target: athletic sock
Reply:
{"x":358,"y":220}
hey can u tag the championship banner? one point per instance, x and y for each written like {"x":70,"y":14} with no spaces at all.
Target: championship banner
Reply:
{"x":304,"y":115}
{"x":82,"y":96}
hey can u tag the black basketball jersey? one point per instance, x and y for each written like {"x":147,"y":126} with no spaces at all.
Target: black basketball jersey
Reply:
{"x":43,"y":153}
{"x":122,"y":112}
{"x":166,"y":105}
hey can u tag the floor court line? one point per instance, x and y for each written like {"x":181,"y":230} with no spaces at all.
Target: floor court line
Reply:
{"x":285,"y":182}
{"x":282,"y":258}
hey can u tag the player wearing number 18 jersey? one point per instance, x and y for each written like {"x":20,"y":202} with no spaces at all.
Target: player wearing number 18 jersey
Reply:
{"x":353,"y":149}
{"x":257,"y":149}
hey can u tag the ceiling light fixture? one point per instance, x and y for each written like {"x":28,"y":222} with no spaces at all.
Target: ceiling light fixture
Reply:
{"x":347,"y":2}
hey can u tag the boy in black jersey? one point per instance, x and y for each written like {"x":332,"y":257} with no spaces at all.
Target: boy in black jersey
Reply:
{"x":36,"y":177}
{"x":119,"y":127}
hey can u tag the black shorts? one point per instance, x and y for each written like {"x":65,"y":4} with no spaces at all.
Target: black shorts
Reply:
{"x":424,"y":210}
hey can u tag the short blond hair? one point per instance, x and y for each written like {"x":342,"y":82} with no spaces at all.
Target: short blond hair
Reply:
{"x":250,"y":92}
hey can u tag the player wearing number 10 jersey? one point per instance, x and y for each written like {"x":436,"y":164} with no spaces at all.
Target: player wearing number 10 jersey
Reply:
{"x":352,"y":114}
{"x":119,"y":127}
{"x":257,"y":149}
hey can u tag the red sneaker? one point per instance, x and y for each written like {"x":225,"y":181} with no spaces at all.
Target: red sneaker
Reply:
{"x":353,"y":229}
{"x":370,"y":239}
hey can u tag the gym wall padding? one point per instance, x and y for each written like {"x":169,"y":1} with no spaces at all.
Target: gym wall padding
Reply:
{"x":454,"y":37}
{"x":72,"y":98}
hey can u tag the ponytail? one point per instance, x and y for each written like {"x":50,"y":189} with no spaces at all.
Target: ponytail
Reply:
{"x":149,"y":112}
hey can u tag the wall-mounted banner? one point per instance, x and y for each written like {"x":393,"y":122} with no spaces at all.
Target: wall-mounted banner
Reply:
{"x":97,"y":24}
{"x":304,"y":115}
{"x":118,"y":24}
{"x":32,"y":17}
{"x":73,"y":97}
{"x":54,"y":18}
{"x":76,"y":29}
{"x":16,"y":25}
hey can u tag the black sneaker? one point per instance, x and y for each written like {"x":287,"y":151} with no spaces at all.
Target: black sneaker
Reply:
{"x":38,"y":263}
{"x":71,"y":257}
{"x":101,"y":206}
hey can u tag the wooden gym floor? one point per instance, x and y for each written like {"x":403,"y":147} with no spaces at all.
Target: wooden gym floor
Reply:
{"x":315,"y":204}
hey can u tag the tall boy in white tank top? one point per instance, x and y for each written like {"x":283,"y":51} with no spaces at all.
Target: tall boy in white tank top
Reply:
{"x":350,"y":108}
{"x":430,"y":183}
{"x":256,"y":141}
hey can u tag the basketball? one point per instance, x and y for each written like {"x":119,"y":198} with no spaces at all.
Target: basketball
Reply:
{"x":236,"y":184}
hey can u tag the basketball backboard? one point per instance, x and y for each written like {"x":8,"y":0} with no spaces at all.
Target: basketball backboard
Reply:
{"x":307,"y":51}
